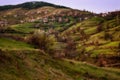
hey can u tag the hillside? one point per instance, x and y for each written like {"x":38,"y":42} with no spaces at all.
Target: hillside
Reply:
{"x":30,"y":5}
{"x":41,"y":12}
{"x":36,"y":65}
{"x":93,"y":39}
{"x":43,"y":41}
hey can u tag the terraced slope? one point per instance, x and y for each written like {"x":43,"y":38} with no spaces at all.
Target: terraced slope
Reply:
{"x":39,"y":42}
{"x":32,"y":65}
{"x":93,"y":40}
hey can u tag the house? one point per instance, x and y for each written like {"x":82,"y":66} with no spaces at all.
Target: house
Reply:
{"x":86,"y":18}
{"x":53,"y":19}
{"x":16,"y":16}
{"x":50,"y":31}
{"x":60,"y":19}
{"x":45,"y":20}
{"x":104,"y":14}
{"x":75,"y":13}
{"x":21,"y":21}
{"x":3,"y":23}
{"x":32,"y":20}
{"x":80,"y":19}
{"x":66,"y":20}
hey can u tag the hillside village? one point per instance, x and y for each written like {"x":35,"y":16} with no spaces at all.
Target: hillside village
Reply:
{"x":44,"y":15}
{"x":44,"y":41}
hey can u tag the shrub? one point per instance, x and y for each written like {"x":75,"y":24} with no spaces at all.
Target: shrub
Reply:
{"x":43,"y":41}
{"x":99,"y":28}
{"x":107,"y":36}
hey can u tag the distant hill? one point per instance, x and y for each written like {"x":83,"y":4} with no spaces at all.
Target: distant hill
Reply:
{"x":30,"y":5}
{"x":40,"y":12}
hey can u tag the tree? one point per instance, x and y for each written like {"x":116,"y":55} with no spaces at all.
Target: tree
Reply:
{"x":99,"y":28}
{"x":119,"y":46}
{"x":107,"y":36}
{"x":70,"y":48}
{"x":43,"y":41}
{"x":117,"y":19}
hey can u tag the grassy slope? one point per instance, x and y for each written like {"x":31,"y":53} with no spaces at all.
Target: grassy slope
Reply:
{"x":20,"y":61}
{"x":96,"y":43}
{"x":28,"y":65}
{"x":79,"y":70}
{"x":35,"y":65}
{"x":6,"y":43}
{"x":24,"y":28}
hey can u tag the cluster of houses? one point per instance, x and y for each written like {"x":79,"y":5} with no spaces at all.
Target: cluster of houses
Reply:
{"x":56,"y":16}
{"x":110,"y":13}
{"x":3,"y":23}
{"x":54,"y":19}
{"x":47,"y":15}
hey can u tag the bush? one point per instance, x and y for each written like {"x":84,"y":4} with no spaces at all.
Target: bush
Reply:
{"x":43,"y":41}
{"x":107,"y":36}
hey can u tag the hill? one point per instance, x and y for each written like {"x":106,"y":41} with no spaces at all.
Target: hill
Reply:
{"x":43,"y":41}
{"x":97,"y":38}
{"x":40,"y":12}
{"x":30,"y":5}
{"x":32,"y":64}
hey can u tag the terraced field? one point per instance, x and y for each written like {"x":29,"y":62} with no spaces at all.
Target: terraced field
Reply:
{"x":39,"y":42}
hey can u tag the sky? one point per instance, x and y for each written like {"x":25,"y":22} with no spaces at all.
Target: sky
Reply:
{"x":96,"y":6}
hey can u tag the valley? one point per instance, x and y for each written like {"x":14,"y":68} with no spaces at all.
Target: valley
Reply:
{"x":43,"y":41}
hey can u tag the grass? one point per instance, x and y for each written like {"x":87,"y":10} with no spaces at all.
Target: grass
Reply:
{"x":21,"y":61}
{"x":6,"y":43}
{"x":116,"y":36}
{"x":71,"y":28}
{"x":89,"y":48}
{"x":110,"y":44}
{"x":92,"y":22}
{"x":104,"y":51}
{"x":24,"y":28}
{"x":32,"y":65}
{"x":90,"y":30}
{"x":97,"y":35}
{"x":80,"y":70}
{"x":28,"y":65}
